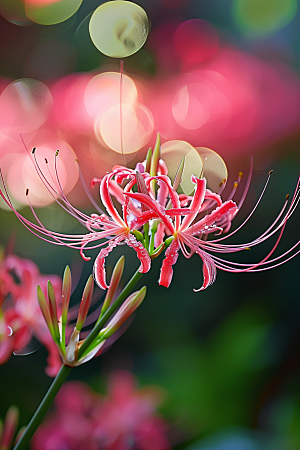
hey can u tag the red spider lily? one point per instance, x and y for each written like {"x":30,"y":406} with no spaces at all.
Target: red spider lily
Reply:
{"x":191,"y":230}
{"x":153,"y":219}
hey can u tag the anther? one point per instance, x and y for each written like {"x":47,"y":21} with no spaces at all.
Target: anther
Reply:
{"x":241,"y":174}
{"x":57,"y":152}
{"x":46,"y":160}
{"x":287,"y":196}
{"x":27,"y":191}
{"x":235,"y":184}
{"x":33,"y":150}
{"x":271,"y":171}
{"x":247,"y":248}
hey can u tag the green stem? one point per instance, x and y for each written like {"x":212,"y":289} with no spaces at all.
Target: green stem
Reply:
{"x":43,"y":408}
{"x":98,"y":327}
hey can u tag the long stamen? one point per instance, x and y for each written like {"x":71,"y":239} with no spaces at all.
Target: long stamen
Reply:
{"x":248,"y":217}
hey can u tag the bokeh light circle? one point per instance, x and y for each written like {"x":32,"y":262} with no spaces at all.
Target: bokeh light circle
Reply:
{"x":214,"y":168}
{"x":14,"y":11}
{"x":137,"y":127}
{"x":22,"y":175}
{"x":172,"y":153}
{"x":46,"y":13}
{"x":103,"y":92}
{"x":261,"y":18}
{"x":25,"y":104}
{"x":119,"y":28}
{"x":189,"y":111}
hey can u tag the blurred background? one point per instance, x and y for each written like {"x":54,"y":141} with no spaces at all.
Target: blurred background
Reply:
{"x":218,"y":74}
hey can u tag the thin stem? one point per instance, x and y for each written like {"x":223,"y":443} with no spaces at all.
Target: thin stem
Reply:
{"x":43,"y":408}
{"x":121,"y":116}
{"x":95,"y":331}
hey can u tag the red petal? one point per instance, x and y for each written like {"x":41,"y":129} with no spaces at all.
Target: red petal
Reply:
{"x":196,"y":202}
{"x":209,"y":220}
{"x":106,"y":199}
{"x":99,"y":264}
{"x":143,"y":218}
{"x":153,"y":205}
{"x":209,"y":270}
{"x":166,"y":272}
{"x":142,"y":253}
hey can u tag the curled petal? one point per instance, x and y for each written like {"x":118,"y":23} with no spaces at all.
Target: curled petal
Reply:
{"x":179,"y":211}
{"x":99,"y":264}
{"x":166,"y":272}
{"x":142,"y":253}
{"x":209,"y":270}
{"x":143,"y":218}
{"x":196,"y":202}
{"x":107,"y":201}
{"x":214,"y":216}
{"x":159,"y":235}
{"x":213,"y":196}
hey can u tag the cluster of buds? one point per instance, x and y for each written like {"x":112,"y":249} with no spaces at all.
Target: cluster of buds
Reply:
{"x":71,"y":354}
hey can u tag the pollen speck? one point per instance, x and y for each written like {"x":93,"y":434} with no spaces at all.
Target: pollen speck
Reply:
{"x":33,"y":150}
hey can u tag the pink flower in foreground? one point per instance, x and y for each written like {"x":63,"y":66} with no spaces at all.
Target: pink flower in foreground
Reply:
{"x":202,"y":214}
{"x":20,"y":315}
{"x":155,"y":216}
{"x":125,"y":418}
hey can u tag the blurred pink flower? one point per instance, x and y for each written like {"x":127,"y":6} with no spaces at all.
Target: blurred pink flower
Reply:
{"x":20,"y":315}
{"x":8,"y":428}
{"x":124,"y":419}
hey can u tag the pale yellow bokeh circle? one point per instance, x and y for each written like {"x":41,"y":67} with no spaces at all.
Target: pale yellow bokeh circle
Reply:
{"x":172,"y":153}
{"x":214,"y":168}
{"x":119,"y":28}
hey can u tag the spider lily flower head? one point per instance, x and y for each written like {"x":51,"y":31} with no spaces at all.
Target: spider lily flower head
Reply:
{"x":105,"y":229}
{"x":202,"y":214}
{"x":58,"y":327}
{"x":151,"y":205}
